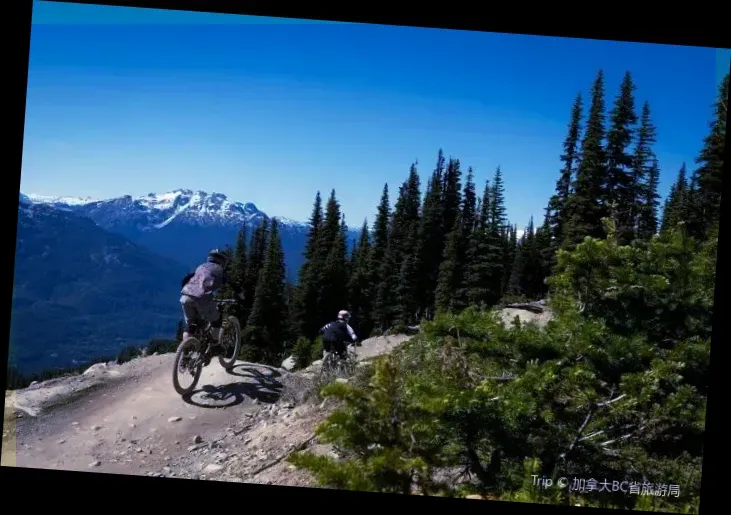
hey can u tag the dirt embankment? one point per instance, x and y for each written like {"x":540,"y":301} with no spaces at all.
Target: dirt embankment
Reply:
{"x":238,"y":426}
{"x":127,"y":418}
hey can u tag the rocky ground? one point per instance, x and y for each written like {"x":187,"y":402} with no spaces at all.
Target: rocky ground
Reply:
{"x":238,"y":426}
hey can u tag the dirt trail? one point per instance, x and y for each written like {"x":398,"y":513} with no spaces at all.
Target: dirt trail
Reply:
{"x":128,"y":419}
{"x":237,"y":426}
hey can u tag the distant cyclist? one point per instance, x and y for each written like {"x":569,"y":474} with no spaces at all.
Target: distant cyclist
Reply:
{"x":337,"y":335}
{"x":199,"y":306}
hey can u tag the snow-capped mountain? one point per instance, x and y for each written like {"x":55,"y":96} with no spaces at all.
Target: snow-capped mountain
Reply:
{"x":182,"y":224}
{"x":156,"y":210}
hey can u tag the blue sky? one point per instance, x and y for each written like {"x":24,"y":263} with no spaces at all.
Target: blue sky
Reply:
{"x":134,"y":101}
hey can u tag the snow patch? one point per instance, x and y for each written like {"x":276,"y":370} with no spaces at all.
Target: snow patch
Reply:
{"x":69,"y":201}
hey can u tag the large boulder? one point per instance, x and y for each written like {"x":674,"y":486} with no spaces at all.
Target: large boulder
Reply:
{"x":289,"y":364}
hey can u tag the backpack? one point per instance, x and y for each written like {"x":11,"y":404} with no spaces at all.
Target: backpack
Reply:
{"x":187,"y":278}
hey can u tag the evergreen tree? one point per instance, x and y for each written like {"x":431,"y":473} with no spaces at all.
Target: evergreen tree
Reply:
{"x":332,"y":279}
{"x":359,"y":286}
{"x":304,"y":304}
{"x":497,"y":218}
{"x":496,"y":245}
{"x":406,"y":258}
{"x":531,"y":273}
{"x":448,"y":280}
{"x":676,"y":202}
{"x":469,"y":207}
{"x":691,"y":212}
{"x":515,"y":284}
{"x":710,"y":163}
{"x":544,"y":253}
{"x":467,"y":241}
{"x":407,"y":287}
{"x":255,"y":262}
{"x":585,"y":204}
{"x":392,"y":288}
{"x":237,"y":271}
{"x":570,"y":158}
{"x":477,"y":276}
{"x":431,"y":238}
{"x":378,"y":254}
{"x":451,"y":195}
{"x":649,"y":220}
{"x":621,"y":188}
{"x":268,"y":319}
{"x":645,"y":174}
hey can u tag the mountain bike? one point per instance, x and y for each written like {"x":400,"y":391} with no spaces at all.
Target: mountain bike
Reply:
{"x":196,"y":352}
{"x":336,"y":365}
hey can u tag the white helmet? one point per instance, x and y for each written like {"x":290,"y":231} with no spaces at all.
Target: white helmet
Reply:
{"x":343,"y":315}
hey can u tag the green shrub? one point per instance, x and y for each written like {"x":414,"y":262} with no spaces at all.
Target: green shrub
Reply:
{"x":162,"y":346}
{"x":302,"y":352}
{"x":128,"y":354}
{"x":608,"y":389}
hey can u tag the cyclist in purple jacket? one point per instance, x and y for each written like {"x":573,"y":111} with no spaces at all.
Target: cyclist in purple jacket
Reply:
{"x":197,"y":294}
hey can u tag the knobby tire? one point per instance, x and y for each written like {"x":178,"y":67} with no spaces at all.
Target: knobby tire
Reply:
{"x":232,"y":324}
{"x":179,"y":354}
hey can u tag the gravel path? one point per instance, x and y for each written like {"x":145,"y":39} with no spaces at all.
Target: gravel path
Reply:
{"x":238,"y":426}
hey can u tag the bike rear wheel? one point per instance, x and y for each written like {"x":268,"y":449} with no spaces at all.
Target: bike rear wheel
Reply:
{"x":327,"y":368}
{"x":230,"y":350}
{"x":188,"y":362}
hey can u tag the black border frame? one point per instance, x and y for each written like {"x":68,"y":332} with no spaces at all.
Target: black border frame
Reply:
{"x":616,"y":24}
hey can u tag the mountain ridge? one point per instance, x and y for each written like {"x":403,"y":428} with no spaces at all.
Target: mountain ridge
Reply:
{"x":170,"y":204}
{"x":80,"y":291}
{"x":183,"y":224}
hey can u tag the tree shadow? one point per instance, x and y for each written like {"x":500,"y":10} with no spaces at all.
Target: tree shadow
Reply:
{"x":266,"y":389}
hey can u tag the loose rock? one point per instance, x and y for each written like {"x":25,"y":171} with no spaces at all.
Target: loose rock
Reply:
{"x":212,"y":468}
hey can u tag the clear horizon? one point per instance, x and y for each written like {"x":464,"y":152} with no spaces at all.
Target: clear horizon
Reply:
{"x":121,"y":102}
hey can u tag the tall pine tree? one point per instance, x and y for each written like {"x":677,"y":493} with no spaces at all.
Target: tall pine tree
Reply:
{"x":448,"y":280}
{"x":645,"y":174}
{"x":269,"y":316}
{"x":332,"y":252}
{"x":405,"y":253}
{"x":496,"y":245}
{"x":570,"y":158}
{"x":621,"y":185}
{"x":477,"y":275}
{"x":304,"y":304}
{"x":585,"y":204}
{"x":468,"y":219}
{"x":360,"y":286}
{"x":431,"y":238}
{"x":710,"y":164}
{"x":676,"y":203}
{"x":378,"y":255}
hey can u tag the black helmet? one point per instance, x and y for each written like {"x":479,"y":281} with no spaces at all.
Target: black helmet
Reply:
{"x":217,"y":256}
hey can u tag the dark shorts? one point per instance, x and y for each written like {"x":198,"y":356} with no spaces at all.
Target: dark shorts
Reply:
{"x":337,"y":346}
{"x":197,"y":310}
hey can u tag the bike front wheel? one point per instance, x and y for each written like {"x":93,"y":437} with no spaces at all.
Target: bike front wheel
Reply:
{"x":230,"y":342}
{"x":188,"y":364}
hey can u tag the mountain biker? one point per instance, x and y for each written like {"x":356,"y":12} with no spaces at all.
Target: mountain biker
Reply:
{"x":337,"y":334}
{"x":197,"y":293}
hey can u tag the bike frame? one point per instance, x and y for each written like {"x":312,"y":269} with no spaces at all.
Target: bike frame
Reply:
{"x":336,"y":360}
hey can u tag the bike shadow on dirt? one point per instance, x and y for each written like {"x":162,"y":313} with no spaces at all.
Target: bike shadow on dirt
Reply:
{"x":259,"y":372}
{"x":265,"y":389}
